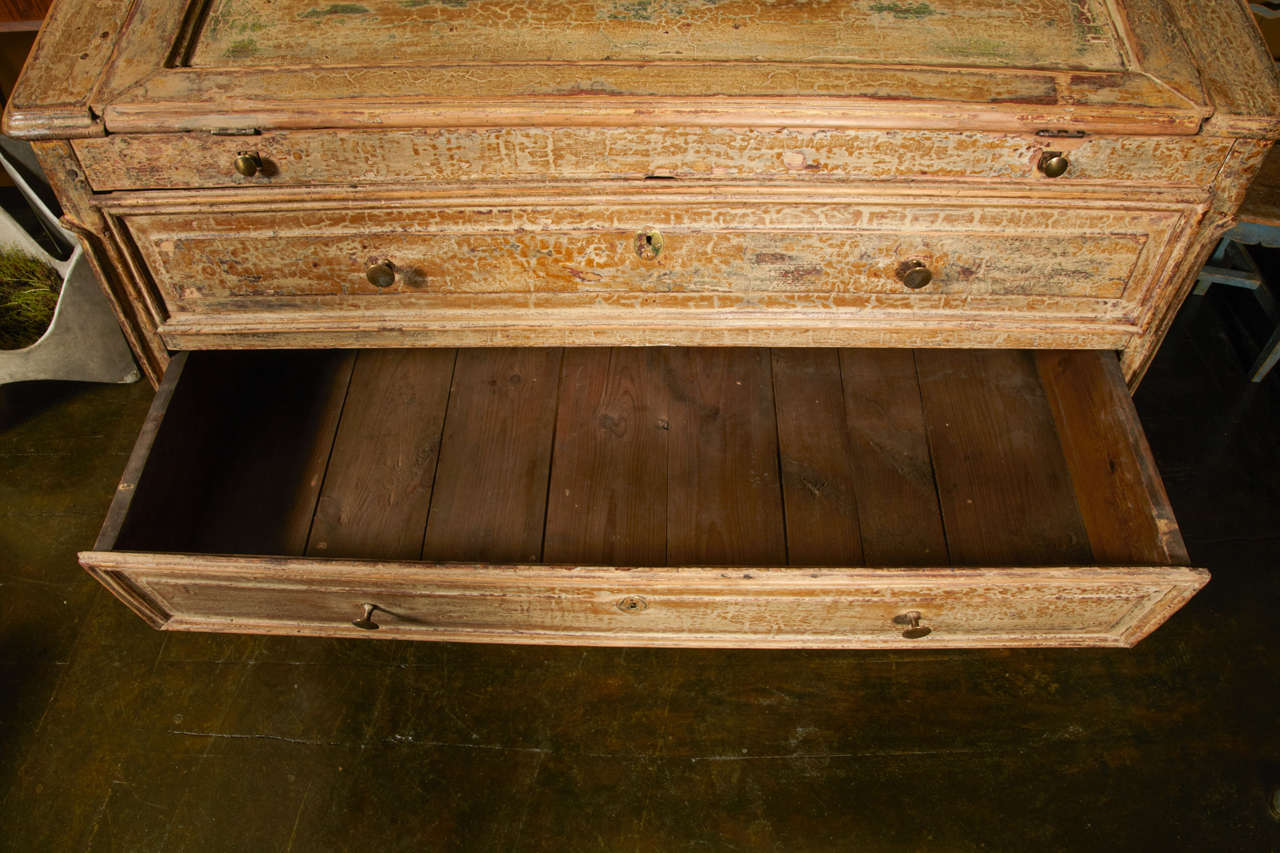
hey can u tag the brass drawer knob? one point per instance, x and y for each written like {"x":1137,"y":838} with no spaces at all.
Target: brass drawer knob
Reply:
{"x":1053,"y":164}
{"x":914,"y":274}
{"x":381,"y":274}
{"x":911,"y":619}
{"x":366,"y":621}
{"x":248,"y":163}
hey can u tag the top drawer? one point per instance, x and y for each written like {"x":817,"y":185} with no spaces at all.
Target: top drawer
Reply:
{"x":305,"y":158}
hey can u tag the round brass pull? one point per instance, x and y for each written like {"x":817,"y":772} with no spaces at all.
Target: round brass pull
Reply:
{"x":1053,"y":164}
{"x":912,"y":620}
{"x":248,"y":163}
{"x":381,"y":274}
{"x":914,"y":274}
{"x":366,"y":621}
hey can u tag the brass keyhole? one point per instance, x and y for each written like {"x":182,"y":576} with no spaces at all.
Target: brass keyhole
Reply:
{"x":649,"y":244}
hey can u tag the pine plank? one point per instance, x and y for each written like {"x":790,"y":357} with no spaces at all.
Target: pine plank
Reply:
{"x":607,"y":504}
{"x":489,"y":500}
{"x":1003,"y":484}
{"x":377,"y":489}
{"x":814,"y":449}
{"x":724,"y":502}
{"x":1117,"y":485}
{"x":898,"y":511}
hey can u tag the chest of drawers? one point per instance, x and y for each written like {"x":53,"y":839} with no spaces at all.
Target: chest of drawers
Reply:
{"x":691,"y":323}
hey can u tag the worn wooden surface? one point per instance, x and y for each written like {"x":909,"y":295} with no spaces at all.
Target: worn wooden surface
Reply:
{"x":889,"y":447}
{"x":689,"y":607}
{"x":832,"y":463}
{"x":472,"y":264}
{"x":1061,"y":63}
{"x":1008,"y":496}
{"x":815,"y":459}
{"x":770,"y":246}
{"x":1040,"y":33}
{"x":1117,"y":476}
{"x":957,"y":101}
{"x":724,"y":499}
{"x":454,"y":155}
{"x":490,"y":495}
{"x":608,"y":489}
{"x":379,"y":477}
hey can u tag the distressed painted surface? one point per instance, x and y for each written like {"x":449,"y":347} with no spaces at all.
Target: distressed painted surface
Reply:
{"x":773,"y":607}
{"x":734,"y":250}
{"x":1033,"y":33}
{"x":302,"y":158}
{"x":1106,"y":67}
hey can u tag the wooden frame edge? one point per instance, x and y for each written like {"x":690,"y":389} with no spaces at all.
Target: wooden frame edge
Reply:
{"x":138,"y":457}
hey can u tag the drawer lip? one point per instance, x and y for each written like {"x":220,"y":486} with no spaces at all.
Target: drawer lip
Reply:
{"x":727,"y":327}
{"x":1131,"y":588}
{"x":126,"y":573}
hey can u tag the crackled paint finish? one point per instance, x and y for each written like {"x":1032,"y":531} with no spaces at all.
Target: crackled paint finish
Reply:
{"x":730,"y":249}
{"x":1033,"y":33}
{"x":315,"y":158}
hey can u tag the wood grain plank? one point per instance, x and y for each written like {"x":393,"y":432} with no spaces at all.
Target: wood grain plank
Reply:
{"x":1003,"y":485}
{"x":148,"y":458}
{"x":489,"y":501}
{"x":377,"y":488}
{"x":724,"y":502}
{"x":275,"y":431}
{"x":816,"y":459}
{"x":898,"y":512}
{"x":607,"y":503}
{"x":1118,"y":489}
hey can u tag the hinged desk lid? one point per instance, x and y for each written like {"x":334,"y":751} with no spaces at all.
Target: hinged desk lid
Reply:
{"x":160,"y":65}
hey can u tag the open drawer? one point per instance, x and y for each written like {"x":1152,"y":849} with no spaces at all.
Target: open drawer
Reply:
{"x":648,"y":496}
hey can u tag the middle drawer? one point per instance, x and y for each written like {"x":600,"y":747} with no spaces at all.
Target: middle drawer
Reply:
{"x":673,"y":254}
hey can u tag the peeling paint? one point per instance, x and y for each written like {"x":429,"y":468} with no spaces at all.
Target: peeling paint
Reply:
{"x":905,"y":10}
{"x":335,"y":9}
{"x":919,"y":33}
{"x":242,"y":48}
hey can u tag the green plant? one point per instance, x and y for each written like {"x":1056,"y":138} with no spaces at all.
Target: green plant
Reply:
{"x":28,"y":294}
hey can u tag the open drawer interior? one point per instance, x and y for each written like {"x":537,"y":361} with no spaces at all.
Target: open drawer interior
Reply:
{"x":660,"y":496}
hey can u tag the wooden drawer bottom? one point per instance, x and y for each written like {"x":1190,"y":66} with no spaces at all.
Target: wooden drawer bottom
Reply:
{"x":677,"y":497}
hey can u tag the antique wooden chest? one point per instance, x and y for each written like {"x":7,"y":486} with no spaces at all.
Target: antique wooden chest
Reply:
{"x":687,"y":322}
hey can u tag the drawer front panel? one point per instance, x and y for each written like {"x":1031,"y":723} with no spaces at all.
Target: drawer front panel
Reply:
{"x":680,"y":607}
{"x":312,"y":158}
{"x":810,"y":254}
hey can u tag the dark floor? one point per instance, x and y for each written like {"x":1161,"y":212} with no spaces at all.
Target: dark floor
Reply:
{"x":113,"y":736}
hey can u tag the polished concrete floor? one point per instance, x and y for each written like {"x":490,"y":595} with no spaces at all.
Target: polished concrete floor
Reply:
{"x":116,"y":737}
